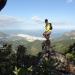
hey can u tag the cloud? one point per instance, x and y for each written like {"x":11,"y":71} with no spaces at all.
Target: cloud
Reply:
{"x":69,"y":1}
{"x":64,"y":25}
{"x":56,"y":25}
{"x":9,"y":22}
{"x":37,"y":19}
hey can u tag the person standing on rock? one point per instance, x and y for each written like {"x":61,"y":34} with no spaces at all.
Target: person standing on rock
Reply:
{"x":48,"y":29}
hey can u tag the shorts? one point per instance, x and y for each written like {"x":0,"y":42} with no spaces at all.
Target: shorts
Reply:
{"x":46,"y":33}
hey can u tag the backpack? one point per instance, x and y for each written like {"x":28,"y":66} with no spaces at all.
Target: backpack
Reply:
{"x":50,"y":26}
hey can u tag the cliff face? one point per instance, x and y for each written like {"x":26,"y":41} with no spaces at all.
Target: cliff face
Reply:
{"x":65,"y":61}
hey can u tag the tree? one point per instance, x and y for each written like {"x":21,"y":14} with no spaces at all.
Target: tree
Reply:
{"x":20,"y":55}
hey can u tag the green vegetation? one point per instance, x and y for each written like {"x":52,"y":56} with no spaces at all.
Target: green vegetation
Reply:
{"x":21,"y":57}
{"x":33,"y":48}
{"x":62,"y":44}
{"x":22,"y":64}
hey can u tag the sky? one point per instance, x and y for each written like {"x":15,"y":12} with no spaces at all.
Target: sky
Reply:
{"x":30,"y":14}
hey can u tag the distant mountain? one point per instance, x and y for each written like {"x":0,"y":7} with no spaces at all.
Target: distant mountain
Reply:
{"x":3,"y":37}
{"x":33,"y":43}
{"x":72,"y":33}
{"x":30,"y":38}
{"x":26,"y":37}
{"x":68,"y":35}
{"x":3,"y":34}
{"x":62,"y":44}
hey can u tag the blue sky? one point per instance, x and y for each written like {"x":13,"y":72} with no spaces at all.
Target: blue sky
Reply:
{"x":30,"y":14}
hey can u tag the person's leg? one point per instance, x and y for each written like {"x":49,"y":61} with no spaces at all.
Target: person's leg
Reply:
{"x":44,"y":34}
{"x":48,"y":35}
{"x":48,"y":40}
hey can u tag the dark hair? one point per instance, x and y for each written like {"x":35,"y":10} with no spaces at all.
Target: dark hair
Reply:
{"x":46,"y":20}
